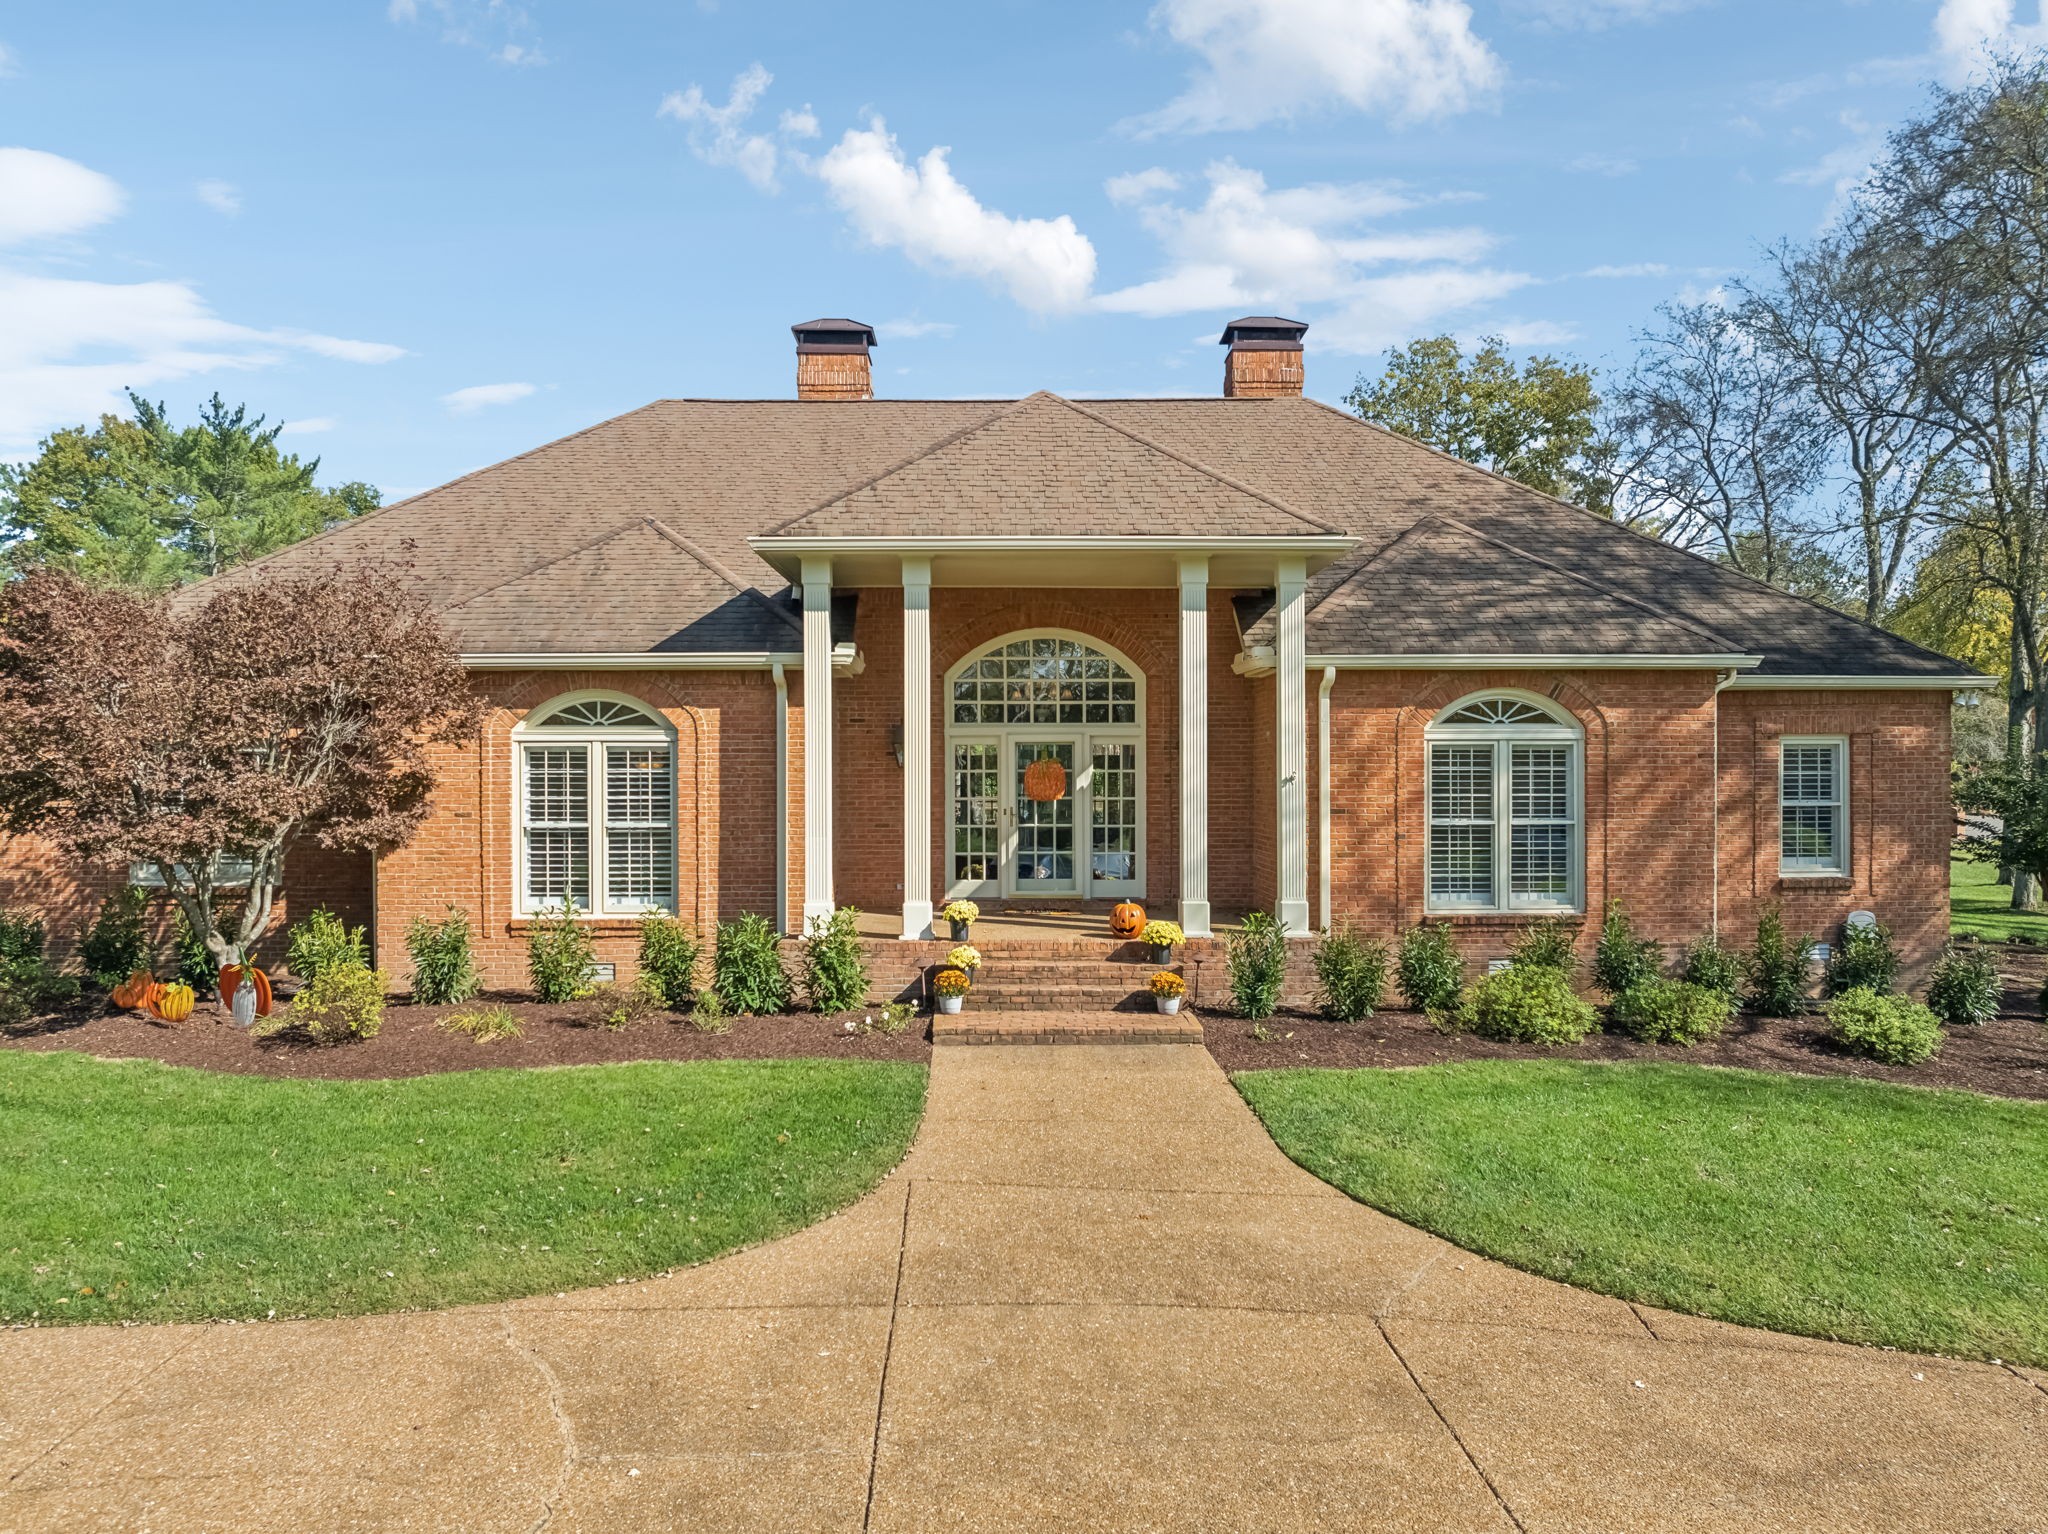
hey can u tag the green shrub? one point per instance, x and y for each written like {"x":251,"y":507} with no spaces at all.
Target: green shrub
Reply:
{"x":115,"y":945}
{"x":1864,"y":961}
{"x":615,"y":1007}
{"x":1429,"y":968}
{"x":835,"y":964}
{"x":1965,"y":988}
{"x":1659,"y":1011}
{"x":321,"y":942}
{"x":746,"y":967}
{"x":1708,"y":964}
{"x":486,"y":1025}
{"x":339,"y":1004}
{"x":1257,"y":964}
{"x":1547,"y":944}
{"x":1525,"y":1004}
{"x":1352,"y":975}
{"x":29,"y":983}
{"x":1778,"y":967}
{"x":668,"y":959}
{"x":710,"y":1015}
{"x":1892,"y":1030}
{"x":191,"y":957}
{"x":559,"y":955}
{"x":1623,"y":961}
{"x":443,"y":963}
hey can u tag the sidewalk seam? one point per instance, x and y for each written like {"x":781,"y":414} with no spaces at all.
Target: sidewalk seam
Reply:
{"x":105,"y":1406}
{"x":565,"y":1426}
{"x":888,"y":1350}
{"x":1456,"y":1437}
{"x":2015,"y":1373}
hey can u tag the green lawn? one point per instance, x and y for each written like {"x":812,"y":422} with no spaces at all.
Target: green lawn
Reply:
{"x":1823,"y":1206}
{"x":133,"y":1191}
{"x":1979,"y":904}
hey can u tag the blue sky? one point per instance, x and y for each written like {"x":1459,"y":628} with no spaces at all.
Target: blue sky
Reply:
{"x":432,"y":233}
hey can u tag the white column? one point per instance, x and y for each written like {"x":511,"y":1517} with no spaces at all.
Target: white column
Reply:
{"x":917,"y":749}
{"x":817,"y":738}
{"x":1290,"y":726}
{"x":1194,"y":745}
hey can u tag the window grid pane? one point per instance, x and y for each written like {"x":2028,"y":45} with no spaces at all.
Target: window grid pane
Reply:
{"x":977,"y":805}
{"x":558,"y":826}
{"x":639,"y":826}
{"x":1810,"y":799}
{"x":1113,"y":783}
{"x":1461,"y":830}
{"x":1540,"y":831}
{"x":1045,"y":681}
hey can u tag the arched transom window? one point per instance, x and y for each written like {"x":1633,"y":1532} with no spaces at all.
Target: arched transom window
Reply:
{"x":1505,"y":789}
{"x":1045,"y":680}
{"x":597,"y":807}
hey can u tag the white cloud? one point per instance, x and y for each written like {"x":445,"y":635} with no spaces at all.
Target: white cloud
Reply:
{"x":1044,"y":264}
{"x":44,"y":195}
{"x":717,"y":134}
{"x":481,"y":396}
{"x":221,"y":196}
{"x":1600,"y":13}
{"x":501,"y":30}
{"x":1631,"y":269}
{"x":802,"y":123}
{"x":7,"y":62}
{"x":1969,"y":32}
{"x":68,"y":347}
{"x":1247,"y":246}
{"x":308,"y":426}
{"x":1603,"y":165}
{"x":1268,"y":60}
{"x":1532,"y":333}
{"x":1841,"y":170}
{"x":1140,"y":185}
{"x":914,"y":330}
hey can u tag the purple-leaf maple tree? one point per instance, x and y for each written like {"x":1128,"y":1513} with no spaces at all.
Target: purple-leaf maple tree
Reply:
{"x":222,"y":728}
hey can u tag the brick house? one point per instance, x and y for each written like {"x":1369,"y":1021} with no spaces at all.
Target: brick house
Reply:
{"x":1286,"y":660}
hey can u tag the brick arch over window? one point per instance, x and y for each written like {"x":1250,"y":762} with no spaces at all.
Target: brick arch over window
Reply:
{"x":1450,"y":687}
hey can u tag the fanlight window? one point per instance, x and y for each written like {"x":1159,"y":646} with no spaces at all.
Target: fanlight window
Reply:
{"x":1505,"y":782}
{"x":597,"y":792}
{"x":1045,"y":681}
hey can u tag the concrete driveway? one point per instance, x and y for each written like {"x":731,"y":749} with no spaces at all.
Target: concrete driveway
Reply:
{"x":1095,"y":1297}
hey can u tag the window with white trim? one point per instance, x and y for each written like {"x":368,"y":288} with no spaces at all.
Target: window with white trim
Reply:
{"x":229,"y":872}
{"x":1813,"y":806}
{"x":1503,"y":787}
{"x":597,"y":809}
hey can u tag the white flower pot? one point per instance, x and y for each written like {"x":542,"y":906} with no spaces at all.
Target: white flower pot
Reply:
{"x":1168,"y":1004}
{"x":951,"y":1004}
{"x":243,"y":1007}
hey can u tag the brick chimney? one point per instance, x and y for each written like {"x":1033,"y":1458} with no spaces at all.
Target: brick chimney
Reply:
{"x":832,"y":360}
{"x":1264,"y":361}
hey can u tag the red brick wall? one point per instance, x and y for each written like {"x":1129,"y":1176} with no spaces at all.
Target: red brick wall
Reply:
{"x":725,"y":763}
{"x":35,"y":877}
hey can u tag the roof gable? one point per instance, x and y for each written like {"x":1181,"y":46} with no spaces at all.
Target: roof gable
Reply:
{"x":1049,"y":467}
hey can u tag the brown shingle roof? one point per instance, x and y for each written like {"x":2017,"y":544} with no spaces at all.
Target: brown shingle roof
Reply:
{"x":632,"y":535}
{"x":1048,"y":466}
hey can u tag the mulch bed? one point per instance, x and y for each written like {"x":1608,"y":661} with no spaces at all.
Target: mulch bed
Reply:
{"x":2006,"y":1058}
{"x":410,"y":1044}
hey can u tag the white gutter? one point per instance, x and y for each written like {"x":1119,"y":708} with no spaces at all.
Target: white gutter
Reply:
{"x":1258,"y":661}
{"x":781,"y":676}
{"x":1728,"y":679}
{"x":1830,"y":683}
{"x":1306,"y":543}
{"x":1323,"y":792}
{"x":632,"y":660}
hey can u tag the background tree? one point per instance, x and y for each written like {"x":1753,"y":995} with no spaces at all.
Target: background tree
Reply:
{"x":187,"y":734}
{"x":148,"y":504}
{"x":1534,"y":424}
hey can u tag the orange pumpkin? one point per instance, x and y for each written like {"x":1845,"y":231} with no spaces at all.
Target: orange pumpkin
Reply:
{"x":1045,"y":780}
{"x":132,"y":994}
{"x":231,"y":978}
{"x":1127,"y":919}
{"x":172,"y":1003}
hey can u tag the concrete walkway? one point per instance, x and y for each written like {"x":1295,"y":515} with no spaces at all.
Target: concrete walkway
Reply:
{"x":1095,"y":1297}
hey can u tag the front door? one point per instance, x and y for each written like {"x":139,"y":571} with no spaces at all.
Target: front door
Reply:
{"x":1041,"y":858}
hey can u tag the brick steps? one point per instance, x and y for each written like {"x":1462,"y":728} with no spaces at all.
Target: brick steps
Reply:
{"x":1049,"y":1027}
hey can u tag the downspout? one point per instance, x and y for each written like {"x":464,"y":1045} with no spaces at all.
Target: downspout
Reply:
{"x":781,"y":797}
{"x":1323,"y":793}
{"x":1714,"y":914}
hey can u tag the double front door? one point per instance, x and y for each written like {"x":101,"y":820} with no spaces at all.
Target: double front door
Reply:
{"x":1088,"y":842}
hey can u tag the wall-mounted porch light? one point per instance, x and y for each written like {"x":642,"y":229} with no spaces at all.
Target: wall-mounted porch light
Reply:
{"x":896,"y":743}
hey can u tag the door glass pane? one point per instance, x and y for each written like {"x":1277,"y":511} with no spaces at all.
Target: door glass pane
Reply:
{"x":977,"y":801}
{"x":1045,"y":829}
{"x":1113,"y":815}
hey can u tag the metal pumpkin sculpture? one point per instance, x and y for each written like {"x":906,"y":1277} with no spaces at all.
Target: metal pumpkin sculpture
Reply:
{"x":1045,"y":780}
{"x":1127,"y":919}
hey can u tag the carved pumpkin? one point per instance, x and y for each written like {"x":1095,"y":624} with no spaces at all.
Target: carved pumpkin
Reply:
{"x":231,"y":978}
{"x":1045,"y":780}
{"x":132,"y":994}
{"x":172,"y":1003}
{"x":1127,"y":919}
